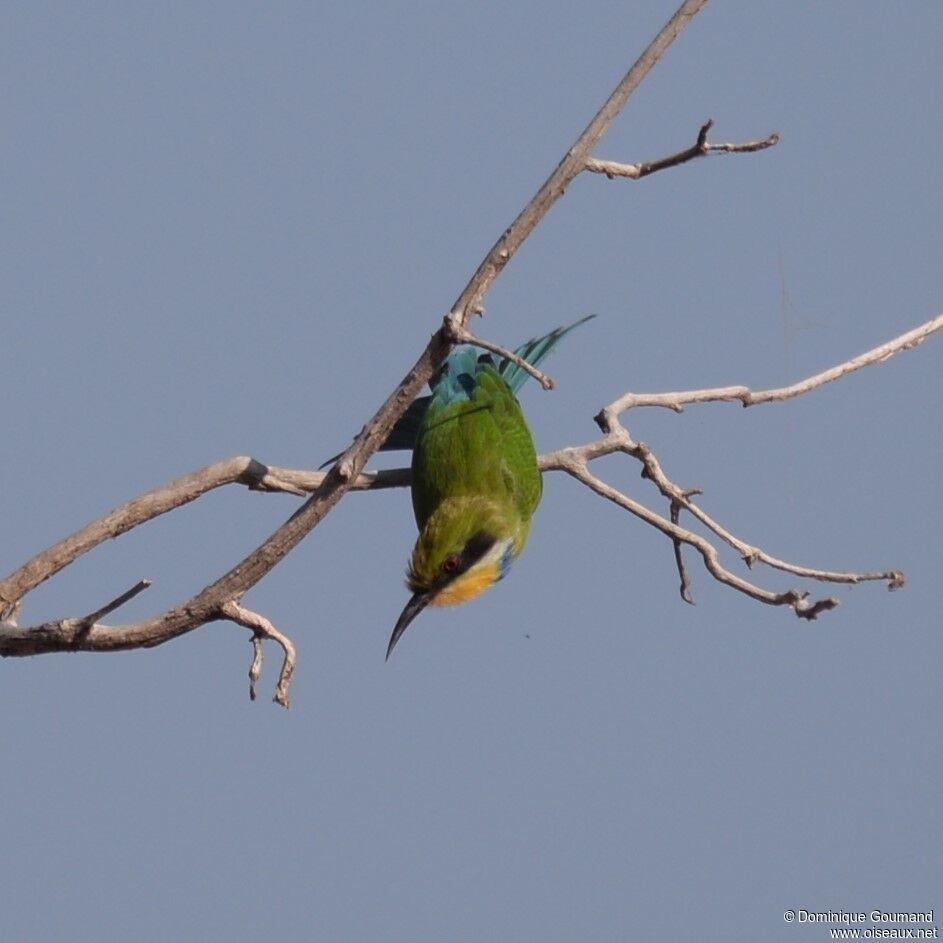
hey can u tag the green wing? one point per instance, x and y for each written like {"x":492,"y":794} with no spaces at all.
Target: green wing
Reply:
{"x":479,"y":445}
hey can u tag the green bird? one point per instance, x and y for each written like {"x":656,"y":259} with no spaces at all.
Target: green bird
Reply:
{"x":475,"y":479}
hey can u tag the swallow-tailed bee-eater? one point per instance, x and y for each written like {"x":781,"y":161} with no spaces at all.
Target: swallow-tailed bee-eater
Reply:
{"x":475,"y":479}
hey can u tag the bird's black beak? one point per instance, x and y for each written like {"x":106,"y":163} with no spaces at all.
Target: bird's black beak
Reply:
{"x":416,"y":604}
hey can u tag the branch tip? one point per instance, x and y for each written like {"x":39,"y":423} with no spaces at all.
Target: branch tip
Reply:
{"x":86,"y":622}
{"x":702,"y":134}
{"x":255,"y":669}
{"x":261,"y":629}
{"x":810,"y":612}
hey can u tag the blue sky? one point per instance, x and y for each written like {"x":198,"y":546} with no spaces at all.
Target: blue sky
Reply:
{"x":230,"y":229}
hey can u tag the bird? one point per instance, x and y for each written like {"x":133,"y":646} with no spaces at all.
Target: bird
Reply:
{"x":475,"y":479}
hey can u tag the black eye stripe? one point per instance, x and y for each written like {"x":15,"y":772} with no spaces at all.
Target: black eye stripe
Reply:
{"x":477,"y":547}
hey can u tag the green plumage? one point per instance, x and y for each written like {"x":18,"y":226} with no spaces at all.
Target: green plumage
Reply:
{"x":479,"y":445}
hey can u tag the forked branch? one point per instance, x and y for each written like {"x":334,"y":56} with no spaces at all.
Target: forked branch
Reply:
{"x":616,"y":438}
{"x":701,"y":148}
{"x":262,"y":628}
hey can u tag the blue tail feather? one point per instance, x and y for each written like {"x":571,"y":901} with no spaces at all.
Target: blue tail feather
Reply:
{"x":535,"y":352}
{"x":458,"y":372}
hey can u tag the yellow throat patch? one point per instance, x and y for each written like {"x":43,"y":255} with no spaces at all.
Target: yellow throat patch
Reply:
{"x":469,"y":585}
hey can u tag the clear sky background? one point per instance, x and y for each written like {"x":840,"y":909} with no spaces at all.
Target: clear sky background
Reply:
{"x":230,"y":229}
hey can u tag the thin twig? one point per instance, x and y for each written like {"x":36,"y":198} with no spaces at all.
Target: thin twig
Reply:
{"x":685,"y":585}
{"x":255,"y":669}
{"x":139,"y":587}
{"x":798,"y":601}
{"x":701,"y":148}
{"x":744,"y":395}
{"x":623,"y":442}
{"x":461,"y":335}
{"x":263,"y":628}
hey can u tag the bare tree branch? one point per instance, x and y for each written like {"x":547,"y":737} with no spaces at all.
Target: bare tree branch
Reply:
{"x":262,"y":628}
{"x":175,"y":494}
{"x":574,"y":461}
{"x":573,"y":464}
{"x":701,"y":148}
{"x":743,"y":394}
{"x":619,"y":440}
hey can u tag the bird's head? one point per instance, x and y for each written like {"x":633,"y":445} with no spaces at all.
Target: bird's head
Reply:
{"x":466,"y":546}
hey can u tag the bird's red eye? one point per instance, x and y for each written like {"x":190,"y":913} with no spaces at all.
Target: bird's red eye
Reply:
{"x":451,"y":563}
